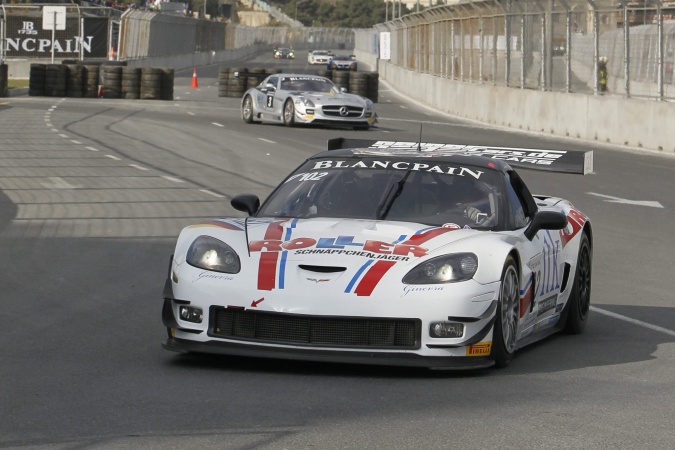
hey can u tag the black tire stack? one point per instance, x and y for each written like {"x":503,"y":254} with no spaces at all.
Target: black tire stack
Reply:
{"x":36,"y":80}
{"x":341,"y":79}
{"x":358,"y":83}
{"x":131,"y":83}
{"x":75,"y":80}
{"x":167,"y":83}
{"x":254,"y":77}
{"x":325,"y":73}
{"x":56,"y":76}
{"x":373,"y":86}
{"x":90,"y":77}
{"x":112,"y":81}
{"x":223,"y":81}
{"x":151,"y":83}
{"x":4,"y":77}
{"x":236,"y":84}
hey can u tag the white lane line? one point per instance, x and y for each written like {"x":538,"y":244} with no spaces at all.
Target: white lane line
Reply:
{"x":92,"y":149}
{"x":206,"y":191}
{"x":267,"y":140}
{"x":75,"y":142}
{"x":625,"y":201}
{"x":217,"y":124}
{"x":112,"y":157}
{"x":63,"y":135}
{"x":633,"y":321}
{"x":55,"y":130}
{"x":403,"y":107}
{"x":136,"y":166}
{"x":191,"y":113}
{"x":175,"y":180}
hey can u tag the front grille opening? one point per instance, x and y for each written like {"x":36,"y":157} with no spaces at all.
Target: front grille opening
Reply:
{"x":320,"y":331}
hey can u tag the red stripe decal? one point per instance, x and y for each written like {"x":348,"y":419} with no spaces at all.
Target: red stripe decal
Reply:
{"x":526,"y":300}
{"x":372,"y":277}
{"x":267,"y":267}
{"x":418,"y":239}
{"x":575,"y":218}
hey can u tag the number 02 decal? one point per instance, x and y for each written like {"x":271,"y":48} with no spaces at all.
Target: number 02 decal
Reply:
{"x":270,"y":101}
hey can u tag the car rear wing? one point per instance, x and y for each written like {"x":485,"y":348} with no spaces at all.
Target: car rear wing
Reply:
{"x":566,"y":161}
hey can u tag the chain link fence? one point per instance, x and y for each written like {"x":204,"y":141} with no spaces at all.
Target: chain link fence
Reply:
{"x":580,"y":46}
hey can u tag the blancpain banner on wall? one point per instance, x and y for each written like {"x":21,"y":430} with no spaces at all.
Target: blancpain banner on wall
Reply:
{"x":385,"y":45}
{"x":26,"y":37}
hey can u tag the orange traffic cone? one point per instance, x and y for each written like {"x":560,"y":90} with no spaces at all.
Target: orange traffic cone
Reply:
{"x":195,"y":83}
{"x":111,"y":56}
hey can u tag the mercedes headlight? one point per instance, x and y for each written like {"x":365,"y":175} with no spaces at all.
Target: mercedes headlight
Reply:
{"x":211,"y":254}
{"x":444,"y":269}
{"x":369,"y":104}
{"x":304,"y":101}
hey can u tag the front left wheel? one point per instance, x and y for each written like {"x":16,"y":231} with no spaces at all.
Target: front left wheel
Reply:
{"x":507,"y":315}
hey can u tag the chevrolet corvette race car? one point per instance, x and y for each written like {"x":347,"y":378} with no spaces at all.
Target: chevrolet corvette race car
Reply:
{"x":303,"y":99}
{"x":392,"y":253}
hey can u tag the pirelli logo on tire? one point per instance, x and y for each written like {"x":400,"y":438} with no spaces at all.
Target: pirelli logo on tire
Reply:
{"x":480,"y":349}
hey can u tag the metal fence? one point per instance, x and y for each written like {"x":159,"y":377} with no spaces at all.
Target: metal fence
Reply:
{"x":583,"y":46}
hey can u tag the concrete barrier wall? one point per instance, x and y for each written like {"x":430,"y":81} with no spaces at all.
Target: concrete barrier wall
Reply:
{"x":608,"y":119}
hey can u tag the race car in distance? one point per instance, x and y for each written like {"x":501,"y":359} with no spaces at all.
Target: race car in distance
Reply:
{"x":284,"y":53}
{"x":305,"y":99}
{"x":318,"y":57}
{"x":341,"y":62}
{"x":391,"y":253}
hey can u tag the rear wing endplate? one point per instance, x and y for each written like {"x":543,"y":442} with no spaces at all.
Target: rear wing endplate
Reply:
{"x":565,"y":161}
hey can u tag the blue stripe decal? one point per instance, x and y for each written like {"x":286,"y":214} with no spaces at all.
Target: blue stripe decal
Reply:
{"x":400,"y":238}
{"x":524,"y":290}
{"x":424,"y":229}
{"x":284,"y":254}
{"x":357,"y":275}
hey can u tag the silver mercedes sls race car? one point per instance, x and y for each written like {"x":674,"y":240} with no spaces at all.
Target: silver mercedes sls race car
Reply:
{"x":305,"y":99}
{"x":392,"y":253}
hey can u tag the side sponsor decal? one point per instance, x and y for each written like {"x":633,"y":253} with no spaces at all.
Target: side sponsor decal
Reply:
{"x":526,"y":296}
{"x":480,"y":349}
{"x":550,"y":280}
{"x":546,"y":304}
{"x":576,"y":219}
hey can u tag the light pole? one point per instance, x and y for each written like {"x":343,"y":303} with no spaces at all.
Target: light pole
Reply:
{"x":296,"y":8}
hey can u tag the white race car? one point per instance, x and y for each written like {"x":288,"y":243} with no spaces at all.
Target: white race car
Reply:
{"x":392,"y":253}
{"x":318,"y":57}
{"x":291,"y":99}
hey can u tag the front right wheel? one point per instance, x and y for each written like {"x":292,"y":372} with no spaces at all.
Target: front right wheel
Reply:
{"x":289,"y":113}
{"x":247,"y":110}
{"x":507,"y":315}
{"x":579,"y":302}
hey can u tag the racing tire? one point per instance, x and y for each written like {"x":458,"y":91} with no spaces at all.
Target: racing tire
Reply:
{"x":247,"y":109}
{"x":579,"y":303}
{"x":507,"y":315}
{"x":289,"y":113}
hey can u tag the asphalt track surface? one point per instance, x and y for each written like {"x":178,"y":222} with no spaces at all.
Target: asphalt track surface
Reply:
{"x":93,"y":194}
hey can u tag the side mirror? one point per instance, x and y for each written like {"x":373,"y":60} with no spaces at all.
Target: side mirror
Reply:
{"x":545,"y":220}
{"x":248,"y":203}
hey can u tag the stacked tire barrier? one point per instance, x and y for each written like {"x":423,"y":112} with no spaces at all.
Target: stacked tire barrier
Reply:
{"x":56,"y":76}
{"x":75,"y":80}
{"x":358,"y":83}
{"x":36,"y":82}
{"x":4,"y":89}
{"x":234,"y":81}
{"x":365,"y":84}
{"x":114,"y":79}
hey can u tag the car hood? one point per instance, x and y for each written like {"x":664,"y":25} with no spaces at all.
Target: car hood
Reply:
{"x":323,"y":98}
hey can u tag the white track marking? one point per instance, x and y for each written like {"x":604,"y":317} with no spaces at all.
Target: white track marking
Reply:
{"x":112,"y":157}
{"x":191,"y":113}
{"x":175,"y":180}
{"x":75,"y":142}
{"x":136,"y":166}
{"x":217,"y":124}
{"x":612,"y":199}
{"x":267,"y":140}
{"x":63,"y":135}
{"x":633,"y":321}
{"x":206,"y":191}
{"x":92,"y":149}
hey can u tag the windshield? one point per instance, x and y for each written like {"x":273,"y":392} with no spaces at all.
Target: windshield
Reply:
{"x":307,"y":84}
{"x":428,"y":192}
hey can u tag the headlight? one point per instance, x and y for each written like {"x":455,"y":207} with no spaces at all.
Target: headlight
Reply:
{"x":369,"y":104}
{"x":304,"y":101}
{"x":211,"y":254}
{"x":444,"y":269}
